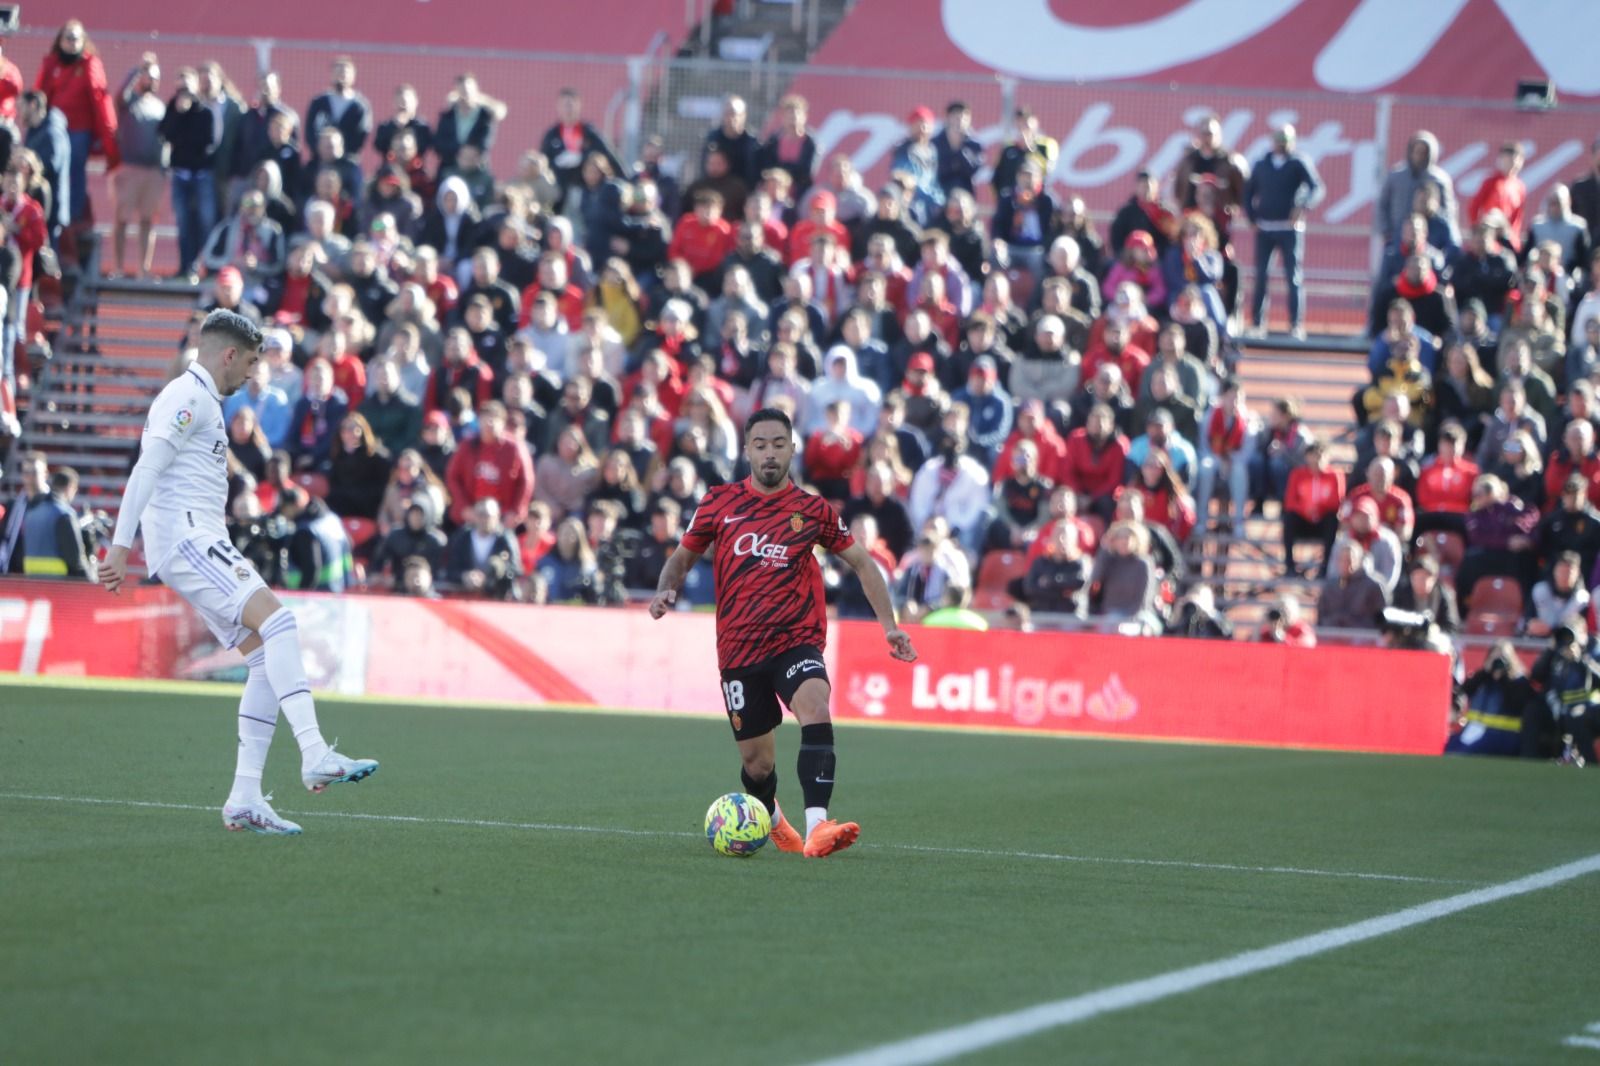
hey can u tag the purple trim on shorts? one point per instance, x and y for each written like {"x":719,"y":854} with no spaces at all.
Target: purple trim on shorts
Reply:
{"x":205,"y":567}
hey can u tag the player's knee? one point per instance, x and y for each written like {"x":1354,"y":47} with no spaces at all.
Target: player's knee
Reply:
{"x":810,"y":703}
{"x":262,"y":607}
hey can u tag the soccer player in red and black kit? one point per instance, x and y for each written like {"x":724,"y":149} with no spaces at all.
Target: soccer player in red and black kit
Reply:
{"x":772,"y":621}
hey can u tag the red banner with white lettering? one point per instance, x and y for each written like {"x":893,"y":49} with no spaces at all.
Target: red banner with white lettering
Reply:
{"x":1364,"y":699}
{"x":477,"y":652}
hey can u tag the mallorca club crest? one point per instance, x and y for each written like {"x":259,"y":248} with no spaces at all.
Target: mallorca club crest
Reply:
{"x":797,"y":522}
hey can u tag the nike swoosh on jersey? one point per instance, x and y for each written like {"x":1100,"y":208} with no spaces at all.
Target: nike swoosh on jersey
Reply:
{"x":735,"y":518}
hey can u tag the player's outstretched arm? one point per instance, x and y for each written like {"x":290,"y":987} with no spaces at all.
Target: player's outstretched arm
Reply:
{"x":158,"y":454}
{"x":673,"y":574}
{"x":877,"y":591}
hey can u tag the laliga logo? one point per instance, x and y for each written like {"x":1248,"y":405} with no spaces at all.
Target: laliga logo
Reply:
{"x":1027,"y":699}
{"x":1380,"y":42}
{"x":760,"y":545}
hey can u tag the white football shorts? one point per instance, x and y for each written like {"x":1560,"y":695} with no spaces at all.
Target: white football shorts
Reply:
{"x":216,"y":581}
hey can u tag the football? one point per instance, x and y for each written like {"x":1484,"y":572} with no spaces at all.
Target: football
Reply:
{"x":738,"y":824}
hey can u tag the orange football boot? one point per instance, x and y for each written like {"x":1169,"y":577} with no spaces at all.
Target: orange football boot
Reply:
{"x":786,"y":836}
{"x":829,"y":837}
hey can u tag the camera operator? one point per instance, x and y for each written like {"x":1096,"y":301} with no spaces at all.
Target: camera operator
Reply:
{"x":1412,"y":631}
{"x":614,"y":550}
{"x":262,"y":539}
{"x":1283,"y":625}
{"x":1499,"y":697}
{"x":1562,"y":724}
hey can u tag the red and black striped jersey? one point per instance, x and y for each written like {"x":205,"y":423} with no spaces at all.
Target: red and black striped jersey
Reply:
{"x":769,"y":587}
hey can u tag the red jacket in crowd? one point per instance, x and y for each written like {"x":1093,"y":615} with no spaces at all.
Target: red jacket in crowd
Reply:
{"x":569,"y":305}
{"x":1506,"y":195}
{"x":1394,"y":508}
{"x":469,"y":374}
{"x":350,"y":378}
{"x":1166,"y":508}
{"x":1446,"y":487}
{"x":1052,"y":452}
{"x":1133,"y":362}
{"x":800,"y":239}
{"x":502,"y":470}
{"x":1561,"y":468}
{"x":1088,"y":537}
{"x":1094,"y":473}
{"x":29,"y":233}
{"x":1224,"y":433}
{"x":78,"y":89}
{"x":1313,"y":495}
{"x":832,"y":456}
{"x":703,"y":245}
{"x":10,"y":89}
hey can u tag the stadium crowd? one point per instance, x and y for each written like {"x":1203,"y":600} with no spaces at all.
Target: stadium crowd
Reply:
{"x":517,"y":382}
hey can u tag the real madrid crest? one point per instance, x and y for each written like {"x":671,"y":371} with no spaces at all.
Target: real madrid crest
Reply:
{"x":796,"y":522}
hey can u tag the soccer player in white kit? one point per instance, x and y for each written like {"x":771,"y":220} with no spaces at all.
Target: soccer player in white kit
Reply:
{"x":178,"y":493}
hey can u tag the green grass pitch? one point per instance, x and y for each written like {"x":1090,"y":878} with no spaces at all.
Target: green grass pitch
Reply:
{"x":147,"y":934}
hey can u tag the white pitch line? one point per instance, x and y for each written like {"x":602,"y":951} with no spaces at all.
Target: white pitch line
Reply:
{"x":945,"y":1044}
{"x":556,"y":827}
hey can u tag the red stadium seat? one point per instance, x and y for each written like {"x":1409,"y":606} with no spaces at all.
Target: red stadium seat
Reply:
{"x":1496,"y":595}
{"x":994,"y":574}
{"x":1447,"y":547}
{"x":315,"y":484}
{"x":1491,"y":625}
{"x":361,"y":530}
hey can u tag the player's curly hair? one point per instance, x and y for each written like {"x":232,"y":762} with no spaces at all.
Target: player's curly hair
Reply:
{"x":234,"y":327}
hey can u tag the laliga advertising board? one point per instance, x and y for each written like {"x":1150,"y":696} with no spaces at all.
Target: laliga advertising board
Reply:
{"x":1364,"y":699}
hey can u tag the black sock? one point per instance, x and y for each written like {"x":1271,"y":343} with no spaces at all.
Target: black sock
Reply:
{"x":816,"y":763}
{"x":766,"y":791}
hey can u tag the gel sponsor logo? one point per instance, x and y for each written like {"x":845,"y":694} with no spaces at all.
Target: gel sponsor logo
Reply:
{"x":1024,"y":698}
{"x":761,"y":546}
{"x":803,"y":666}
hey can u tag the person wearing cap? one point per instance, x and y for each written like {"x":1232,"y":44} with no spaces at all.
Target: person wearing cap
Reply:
{"x":992,"y":409}
{"x":819,"y":219}
{"x":917,"y":157}
{"x":925,"y":399}
{"x":228,"y":294}
{"x":1385,"y":551}
{"x":1139,"y":265}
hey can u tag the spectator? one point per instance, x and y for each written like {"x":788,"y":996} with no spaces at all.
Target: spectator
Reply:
{"x":52,"y":540}
{"x":1284,"y":186}
{"x":1019,"y":500}
{"x":1444,"y":489}
{"x":934,"y":565}
{"x":791,"y":148}
{"x":831,"y":452}
{"x":1572,"y":525}
{"x":405,"y":119}
{"x":34,"y":483}
{"x":1024,"y":221}
{"x":1530,"y":327}
{"x":1167,"y":502}
{"x":1512,"y":416}
{"x":1504,"y":192}
{"x":991,"y":408}
{"x":73,"y":81}
{"x":494,"y":465}
{"x":1384,"y":553}
{"x":1560,"y":225}
{"x":1394,"y":505}
{"x":704,"y":239}
{"x":461,"y":369}
{"x":251,"y":243}
{"x":1194,"y":261}
{"x":319,"y":551}
{"x":340,"y":108}
{"x":567,"y":475}
{"x":880,"y":501}
{"x":483,"y":556}
{"x":10,"y":94}
{"x":572,"y":140}
{"x":1311,"y":501}
{"x":247,"y":445}
{"x":358,"y":470}
{"x":469,"y":120}
{"x":1143,"y":213}
{"x":1423,"y":592}
{"x":221,"y":99}
{"x":1399,"y":193}
{"x":141,"y":182}
{"x":1138,"y":263}
{"x":1563,"y":723}
{"x":1027,"y":143}
{"x":438,"y":444}
{"x":1096,"y":457}
{"x":332,"y":174}
{"x":960,"y":157}
{"x":1560,"y":599}
{"x":1124,"y":586}
{"x":1057,"y":581}
{"x":1484,"y":271}
{"x":953,"y":486}
{"x":917,"y":157}
{"x":1108,"y":387}
{"x":1048,"y":369}
{"x":569,"y":572}
{"x":190,"y":134}
{"x":449,"y":226}
{"x":1351,"y":598}
{"x":23,"y":231}
{"x":416,"y":537}
{"x":1500,"y":530}
{"x":316,"y":418}
{"x":412,"y":483}
{"x":1230,"y":440}
{"x":44,"y":131}
{"x":268,"y":404}
{"x":841,"y":381}
{"x":1161,"y":433}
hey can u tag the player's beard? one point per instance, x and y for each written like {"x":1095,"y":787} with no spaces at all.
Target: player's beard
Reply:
{"x":770,"y":477}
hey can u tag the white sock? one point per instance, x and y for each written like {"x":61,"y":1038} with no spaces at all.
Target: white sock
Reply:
{"x":258,"y":717}
{"x":280,"y":640}
{"x":815,"y":816}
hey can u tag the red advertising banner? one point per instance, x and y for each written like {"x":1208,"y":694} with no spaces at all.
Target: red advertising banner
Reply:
{"x":1364,"y":699}
{"x":476,"y":652}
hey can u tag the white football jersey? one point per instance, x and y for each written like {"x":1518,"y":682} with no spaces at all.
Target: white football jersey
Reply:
{"x":191,"y":498}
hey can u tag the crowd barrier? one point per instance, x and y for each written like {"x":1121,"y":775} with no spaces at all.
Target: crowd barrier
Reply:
{"x":475,"y":652}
